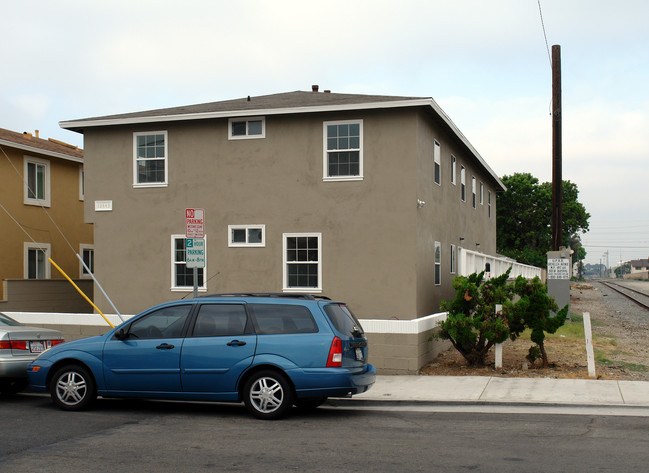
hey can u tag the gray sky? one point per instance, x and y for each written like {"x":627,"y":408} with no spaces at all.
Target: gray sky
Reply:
{"x":485,"y":63}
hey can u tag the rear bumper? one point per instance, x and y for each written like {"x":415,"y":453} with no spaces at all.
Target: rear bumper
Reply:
{"x":333,"y":382}
{"x":11,"y":367}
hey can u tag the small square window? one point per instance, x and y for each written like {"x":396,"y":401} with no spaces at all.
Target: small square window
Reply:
{"x":246,"y":235}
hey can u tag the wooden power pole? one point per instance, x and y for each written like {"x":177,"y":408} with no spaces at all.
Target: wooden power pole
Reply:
{"x":557,"y":197}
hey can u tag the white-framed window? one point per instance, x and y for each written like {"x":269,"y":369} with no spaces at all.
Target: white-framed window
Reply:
{"x":302,"y":262}
{"x":462,"y":183}
{"x":437,"y":162}
{"x":37,"y":181}
{"x":343,"y":150}
{"x":473,"y":192}
{"x":150,"y":159}
{"x":82,"y":185}
{"x":246,"y":128}
{"x":37,"y":265}
{"x":87,"y":253}
{"x":246,"y":235}
{"x":453,"y":258}
{"x":453,"y":170}
{"x":489,"y":203}
{"x":481,"y":193}
{"x":438,"y":263}
{"x":182,"y":277}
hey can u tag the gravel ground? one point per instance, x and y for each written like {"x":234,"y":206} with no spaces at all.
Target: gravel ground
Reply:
{"x":620,"y":339}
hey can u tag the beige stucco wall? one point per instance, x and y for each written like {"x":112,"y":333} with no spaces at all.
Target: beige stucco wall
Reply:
{"x":377,"y":247}
{"x":66,"y":210}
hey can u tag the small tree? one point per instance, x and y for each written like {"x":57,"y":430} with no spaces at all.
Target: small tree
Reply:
{"x":532,"y":311}
{"x":472,"y":325}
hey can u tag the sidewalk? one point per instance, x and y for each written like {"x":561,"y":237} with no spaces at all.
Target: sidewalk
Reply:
{"x":497,"y":390}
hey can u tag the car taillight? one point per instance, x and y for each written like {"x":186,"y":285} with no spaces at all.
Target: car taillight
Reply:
{"x":51,"y":343}
{"x":335,"y":358}
{"x":19,"y":345}
{"x":5,"y":345}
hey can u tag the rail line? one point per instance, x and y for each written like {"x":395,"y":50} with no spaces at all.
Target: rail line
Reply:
{"x":642,"y":301}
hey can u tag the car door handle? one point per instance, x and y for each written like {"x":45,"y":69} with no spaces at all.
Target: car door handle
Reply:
{"x":165,"y":346}
{"x":236,"y":343}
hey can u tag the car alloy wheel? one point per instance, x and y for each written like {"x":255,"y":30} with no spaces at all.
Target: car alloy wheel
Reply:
{"x":73,"y":388}
{"x":268,"y":395}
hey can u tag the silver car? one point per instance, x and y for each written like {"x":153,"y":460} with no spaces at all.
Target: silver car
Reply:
{"x":19,"y":345}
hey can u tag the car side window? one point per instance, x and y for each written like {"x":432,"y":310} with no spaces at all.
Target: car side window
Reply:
{"x":279,"y":318}
{"x":162,"y":323}
{"x":217,"y":320}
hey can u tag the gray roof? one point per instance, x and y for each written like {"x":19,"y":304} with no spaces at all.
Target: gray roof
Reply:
{"x":278,"y":104}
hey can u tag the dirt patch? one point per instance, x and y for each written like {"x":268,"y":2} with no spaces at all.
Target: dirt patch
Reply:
{"x":620,"y":341}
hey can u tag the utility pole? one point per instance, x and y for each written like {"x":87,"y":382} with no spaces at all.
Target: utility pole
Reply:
{"x":557,"y":197}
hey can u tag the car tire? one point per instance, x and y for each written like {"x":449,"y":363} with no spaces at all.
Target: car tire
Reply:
{"x":268,"y":395}
{"x":73,"y":388}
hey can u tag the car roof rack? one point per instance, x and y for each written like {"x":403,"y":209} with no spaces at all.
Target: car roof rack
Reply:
{"x":285,"y":295}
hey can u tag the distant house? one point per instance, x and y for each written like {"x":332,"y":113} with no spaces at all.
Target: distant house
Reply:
{"x":639,"y":268}
{"x":367,"y":199}
{"x":42,"y":188}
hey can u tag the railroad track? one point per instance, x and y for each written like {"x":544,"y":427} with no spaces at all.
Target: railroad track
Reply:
{"x":639,"y":297}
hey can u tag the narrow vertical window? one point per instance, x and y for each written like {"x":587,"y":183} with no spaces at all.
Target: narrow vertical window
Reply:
{"x":489,"y":203}
{"x":481,"y":193}
{"x":453,"y":259}
{"x":438,"y":263}
{"x":437,"y":156}
{"x":473,"y":192}
{"x":462,"y":183}
{"x":453,"y":170}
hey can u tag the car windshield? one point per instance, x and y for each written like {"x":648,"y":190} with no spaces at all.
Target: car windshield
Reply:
{"x":344,"y":320}
{"x":6,"y":320}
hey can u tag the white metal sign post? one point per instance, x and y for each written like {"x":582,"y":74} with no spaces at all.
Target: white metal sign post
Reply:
{"x":194,"y":242}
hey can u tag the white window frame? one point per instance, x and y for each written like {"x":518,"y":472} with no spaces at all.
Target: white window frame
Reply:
{"x":325,"y":152}
{"x":82,"y":249}
{"x":285,"y":263}
{"x":481,"y":193}
{"x":437,"y":276}
{"x":203,"y":287}
{"x":47,"y":249}
{"x":462,"y":183}
{"x":82,"y":189}
{"x":234,"y":244}
{"x":489,"y":202}
{"x":247,"y":136}
{"x":437,"y":163}
{"x":164,"y":183}
{"x":453,"y":259}
{"x":473,"y":192}
{"x":46,"y":201}
{"x":453,"y":170}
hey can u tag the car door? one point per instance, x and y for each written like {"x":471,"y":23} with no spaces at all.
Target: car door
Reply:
{"x":220,"y":347}
{"x":147,"y":358}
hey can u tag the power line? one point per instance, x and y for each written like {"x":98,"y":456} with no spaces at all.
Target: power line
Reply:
{"x":544,"y":34}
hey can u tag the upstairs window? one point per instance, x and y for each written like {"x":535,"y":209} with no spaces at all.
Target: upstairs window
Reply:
{"x":246,"y":128}
{"x":37,"y":181}
{"x":453,"y":170}
{"x":473,"y":192}
{"x":437,"y":156}
{"x":150,"y":159}
{"x":246,"y":235}
{"x":489,"y":203}
{"x":462,"y":183}
{"x":343,"y":150}
{"x":438,"y":263}
{"x":481,"y":194}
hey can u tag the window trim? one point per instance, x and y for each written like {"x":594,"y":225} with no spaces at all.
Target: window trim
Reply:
{"x":325,"y":152}
{"x":489,"y":202}
{"x":462,"y":183}
{"x":46,"y":201}
{"x":437,"y":258}
{"x":175,"y":288}
{"x":453,"y":259}
{"x":46,"y":248}
{"x":82,"y":184}
{"x":473,"y":192}
{"x":83,"y":247}
{"x":285,"y":263}
{"x":165,"y":183}
{"x":437,"y":163}
{"x":247,"y":136}
{"x":233,"y":244}
{"x":481,"y":193}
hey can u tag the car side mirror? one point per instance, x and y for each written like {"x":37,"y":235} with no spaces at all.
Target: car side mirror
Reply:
{"x":121,"y":334}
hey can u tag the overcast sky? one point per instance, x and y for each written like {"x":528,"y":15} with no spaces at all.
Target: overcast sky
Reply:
{"x":485,"y":62}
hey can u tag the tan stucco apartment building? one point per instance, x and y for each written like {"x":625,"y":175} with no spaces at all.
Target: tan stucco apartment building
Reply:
{"x":41,"y":189}
{"x":362,"y":198}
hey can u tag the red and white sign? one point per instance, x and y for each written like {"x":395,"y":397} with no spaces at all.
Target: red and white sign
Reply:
{"x":194,"y":223}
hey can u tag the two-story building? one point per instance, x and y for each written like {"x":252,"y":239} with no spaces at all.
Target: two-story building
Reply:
{"x":363,"y":198}
{"x":42,"y":196}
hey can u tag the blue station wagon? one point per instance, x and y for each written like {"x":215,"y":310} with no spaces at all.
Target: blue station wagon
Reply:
{"x":269,"y":351}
